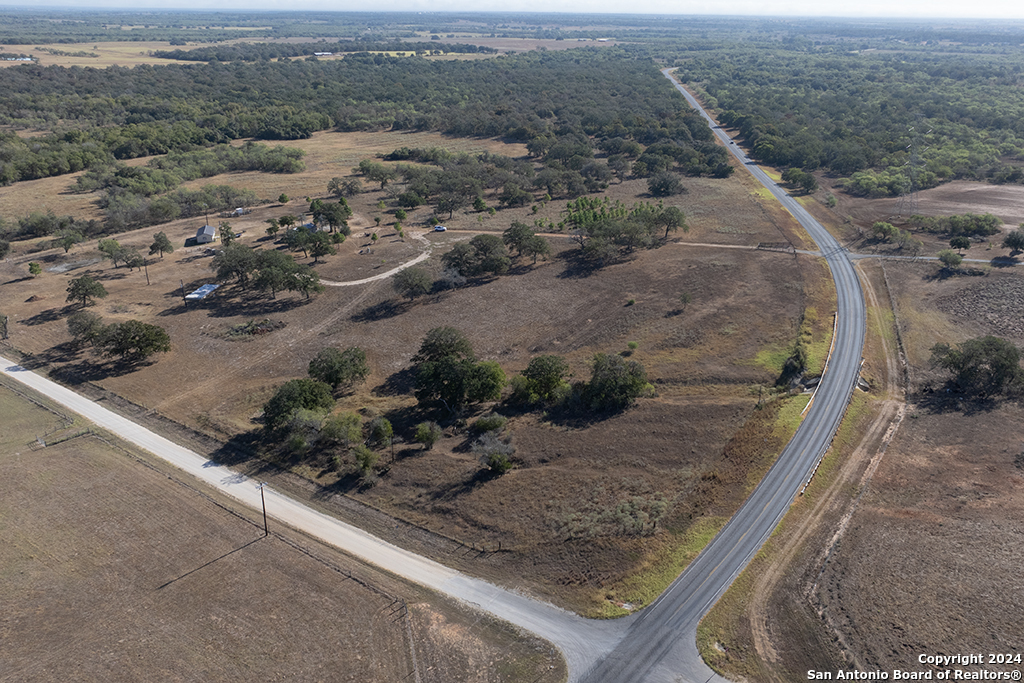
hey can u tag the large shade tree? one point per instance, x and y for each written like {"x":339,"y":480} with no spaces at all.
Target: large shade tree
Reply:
{"x":85,"y":289}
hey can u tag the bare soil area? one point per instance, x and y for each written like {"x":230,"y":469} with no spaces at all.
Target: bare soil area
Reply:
{"x":957,"y":197}
{"x":697,"y":445}
{"x":112,"y":569}
{"x":930,"y":561}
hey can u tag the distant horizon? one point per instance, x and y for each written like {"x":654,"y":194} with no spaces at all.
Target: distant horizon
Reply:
{"x":914,"y":10}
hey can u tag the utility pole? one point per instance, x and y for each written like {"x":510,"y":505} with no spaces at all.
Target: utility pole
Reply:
{"x":145,"y":264}
{"x":260,"y":486}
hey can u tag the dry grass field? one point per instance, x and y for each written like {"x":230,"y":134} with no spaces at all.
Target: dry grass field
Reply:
{"x":126,"y":53}
{"x":112,"y":569}
{"x":698,"y":445}
{"x":101,"y":55}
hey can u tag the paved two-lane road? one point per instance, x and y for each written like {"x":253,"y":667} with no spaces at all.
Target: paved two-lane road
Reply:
{"x":661,"y":644}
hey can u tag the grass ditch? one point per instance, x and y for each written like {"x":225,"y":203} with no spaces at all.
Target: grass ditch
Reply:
{"x":643,"y":587}
{"x":814,"y":335}
{"x":754,"y":449}
{"x":724,"y":636}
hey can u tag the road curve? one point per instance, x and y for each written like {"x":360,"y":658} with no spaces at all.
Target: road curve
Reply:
{"x":661,"y":644}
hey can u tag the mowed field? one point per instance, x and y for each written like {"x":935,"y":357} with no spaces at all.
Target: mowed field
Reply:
{"x":112,"y":569}
{"x":699,"y":445}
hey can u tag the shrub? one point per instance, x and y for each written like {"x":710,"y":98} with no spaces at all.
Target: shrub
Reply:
{"x":428,"y":433}
{"x":381,"y":431}
{"x":495,"y":454}
{"x":544,"y":374}
{"x":665,"y":184}
{"x":950,"y":259}
{"x":615,"y":384}
{"x":984,"y":365}
{"x":490,"y":423}
{"x":298,"y":393}
{"x":335,"y":367}
{"x":343,"y":429}
{"x":365,"y":458}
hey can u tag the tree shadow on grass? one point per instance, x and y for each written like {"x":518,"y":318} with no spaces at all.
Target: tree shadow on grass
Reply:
{"x":577,"y":266}
{"x":475,"y":481}
{"x":61,"y":353}
{"x":397,"y":384}
{"x":578,"y":417}
{"x":115,"y":275}
{"x":379,"y":311}
{"x":97,"y":370}
{"x":946,"y":273}
{"x":520,"y":268}
{"x":191,"y":285}
{"x":48,"y":316}
{"x":409,"y":452}
{"x":347,"y":483}
{"x":949,"y":399}
{"x":250,"y":305}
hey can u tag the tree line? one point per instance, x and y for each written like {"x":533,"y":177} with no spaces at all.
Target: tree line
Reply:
{"x":877,"y":119}
{"x":254,"y":52}
{"x":164,"y":173}
{"x":565,"y":102}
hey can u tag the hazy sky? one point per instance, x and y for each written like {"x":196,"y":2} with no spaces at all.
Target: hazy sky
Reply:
{"x":917,"y":9}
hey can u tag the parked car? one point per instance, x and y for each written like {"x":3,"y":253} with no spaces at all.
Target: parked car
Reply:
{"x":439,"y":228}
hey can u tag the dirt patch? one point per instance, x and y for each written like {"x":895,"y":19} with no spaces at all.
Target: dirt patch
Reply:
{"x":928,"y":563}
{"x":991,"y":303}
{"x":157,"y":578}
